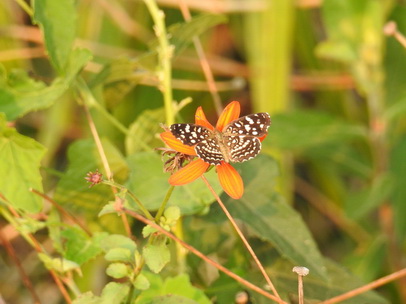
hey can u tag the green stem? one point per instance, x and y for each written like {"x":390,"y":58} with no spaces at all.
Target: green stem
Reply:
{"x":11,"y":219}
{"x":165,"y":52}
{"x":132,"y":195}
{"x":25,"y":7}
{"x":91,"y":101}
{"x":163,"y":205}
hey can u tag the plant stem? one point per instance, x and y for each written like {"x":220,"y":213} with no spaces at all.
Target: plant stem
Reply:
{"x":242,"y":237}
{"x":36,"y":245}
{"x":163,"y":205}
{"x":89,"y":99}
{"x":300,"y":289}
{"x":91,"y":102}
{"x":132,"y":195}
{"x":203,"y":61}
{"x":375,"y":284}
{"x":165,"y":52}
{"x":203,"y":257}
{"x":24,"y":277}
{"x":25,"y":7}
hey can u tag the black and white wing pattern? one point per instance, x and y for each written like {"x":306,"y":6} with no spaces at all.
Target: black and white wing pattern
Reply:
{"x":238,"y":142}
{"x":190,"y":134}
{"x":251,"y":125}
{"x":209,"y":150}
{"x":243,"y":148}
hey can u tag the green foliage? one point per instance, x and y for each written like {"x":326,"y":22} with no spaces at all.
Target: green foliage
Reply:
{"x":271,"y":219}
{"x":21,"y":94}
{"x":151,"y":184}
{"x":114,"y":293}
{"x":156,"y":256}
{"x":327,"y":192}
{"x":20,"y":158}
{"x":79,"y":247}
{"x":168,"y":289}
{"x":58,"y":23}
{"x":84,"y":157}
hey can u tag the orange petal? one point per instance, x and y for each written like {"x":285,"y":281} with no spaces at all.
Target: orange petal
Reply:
{"x":230,"y":180}
{"x":176,"y":144}
{"x":230,"y":113}
{"x":200,"y":119}
{"x":262,"y":137}
{"x":189,"y":173}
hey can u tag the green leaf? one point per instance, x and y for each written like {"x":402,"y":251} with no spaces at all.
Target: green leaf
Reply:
{"x":118,"y":270}
{"x":271,"y":218}
{"x":174,"y":286}
{"x":156,"y":256}
{"x":150,"y":184}
{"x":57,"y":20}
{"x":148,"y":230}
{"x":181,"y":35}
{"x":77,"y":60}
{"x":20,"y":94}
{"x":79,"y":247}
{"x":141,"y":282}
{"x":87,"y":298}
{"x":119,"y":255}
{"x":142,"y":132}
{"x":118,"y":241}
{"x":172,"y":214}
{"x":58,"y":264}
{"x":118,"y":78}
{"x":172,"y":299}
{"x":302,"y":130}
{"x":20,"y":158}
{"x":73,"y":190}
{"x":29,"y":225}
{"x":114,"y":293}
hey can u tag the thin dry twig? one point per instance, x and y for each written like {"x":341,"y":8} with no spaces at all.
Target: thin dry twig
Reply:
{"x":24,"y":277}
{"x":308,"y":3}
{"x":203,"y":61}
{"x":22,"y":53}
{"x":220,"y":6}
{"x":36,"y":245}
{"x":242,"y":237}
{"x":106,"y":165}
{"x":379,"y":282}
{"x":202,"y":256}
{"x":64,"y":212}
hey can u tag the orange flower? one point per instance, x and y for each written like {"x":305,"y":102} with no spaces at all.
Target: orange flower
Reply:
{"x":229,"y":178}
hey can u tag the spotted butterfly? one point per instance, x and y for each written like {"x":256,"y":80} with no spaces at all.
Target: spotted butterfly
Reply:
{"x":238,"y":142}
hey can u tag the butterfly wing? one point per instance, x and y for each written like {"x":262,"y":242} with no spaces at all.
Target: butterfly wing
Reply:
{"x":243,"y":148}
{"x":209,"y":151}
{"x":189,"y":134}
{"x":251,"y":125}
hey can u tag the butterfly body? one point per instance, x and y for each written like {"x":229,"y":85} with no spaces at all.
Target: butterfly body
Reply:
{"x":237,"y":142}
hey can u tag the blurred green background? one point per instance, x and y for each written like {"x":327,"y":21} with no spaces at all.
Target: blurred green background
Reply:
{"x":332,"y":81}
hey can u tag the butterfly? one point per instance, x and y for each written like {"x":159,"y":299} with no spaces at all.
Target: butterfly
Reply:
{"x":238,"y":142}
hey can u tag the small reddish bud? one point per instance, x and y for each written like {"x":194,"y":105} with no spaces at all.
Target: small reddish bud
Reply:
{"x":94,"y":178}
